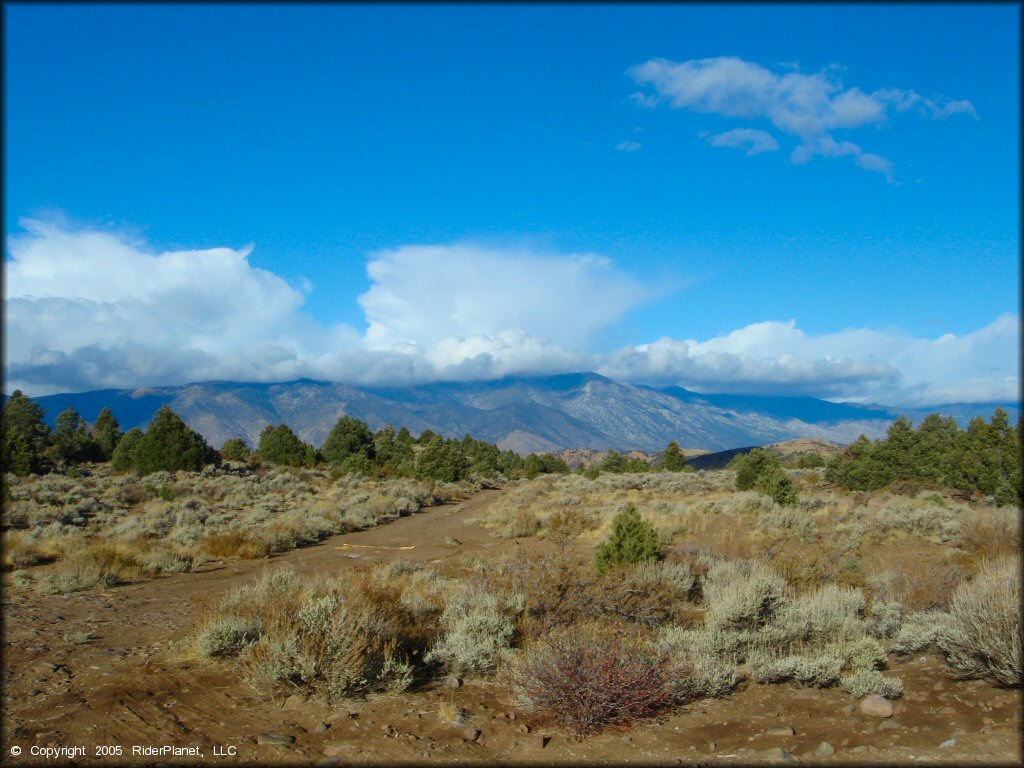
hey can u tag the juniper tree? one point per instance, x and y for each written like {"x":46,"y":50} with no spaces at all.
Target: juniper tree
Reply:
{"x":107,"y":433}
{"x":25,"y":436}
{"x":169,"y":444}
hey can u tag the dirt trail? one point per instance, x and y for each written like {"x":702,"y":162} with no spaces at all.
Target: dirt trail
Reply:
{"x":132,"y":685}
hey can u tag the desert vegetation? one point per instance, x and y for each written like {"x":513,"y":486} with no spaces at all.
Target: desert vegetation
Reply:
{"x":637,"y":589}
{"x":658,"y":589}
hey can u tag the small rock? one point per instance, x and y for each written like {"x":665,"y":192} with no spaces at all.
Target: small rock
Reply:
{"x":889,"y":725}
{"x":452,"y":681}
{"x":947,"y":744}
{"x":523,"y":728}
{"x":948,"y":711}
{"x":336,"y":749}
{"x":849,"y":709}
{"x":321,"y":727}
{"x":388,"y":730}
{"x":294,"y":701}
{"x":778,"y":754}
{"x":627,"y":739}
{"x":537,"y":741}
{"x":280,"y":739}
{"x":45,"y":667}
{"x":859,"y":748}
{"x":876,"y":706}
{"x":470,"y":734}
{"x":824,"y":749}
{"x":712,"y":746}
{"x":781,"y":730}
{"x":939,"y":686}
{"x":510,"y":715}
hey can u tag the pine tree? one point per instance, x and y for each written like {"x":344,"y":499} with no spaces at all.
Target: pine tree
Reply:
{"x":107,"y":433}
{"x":633,"y":540}
{"x":673,"y":460}
{"x":349,"y":436}
{"x":169,"y":444}
{"x":70,"y":442}
{"x":279,"y":445}
{"x":123,"y":457}
{"x":25,"y":436}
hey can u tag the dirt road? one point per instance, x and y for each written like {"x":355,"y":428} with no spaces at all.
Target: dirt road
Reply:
{"x":133,"y":684}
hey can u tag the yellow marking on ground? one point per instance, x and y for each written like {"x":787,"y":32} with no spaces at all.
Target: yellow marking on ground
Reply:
{"x":373,"y":546}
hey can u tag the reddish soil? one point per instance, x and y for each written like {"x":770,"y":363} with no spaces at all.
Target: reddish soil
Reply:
{"x":136,"y":684}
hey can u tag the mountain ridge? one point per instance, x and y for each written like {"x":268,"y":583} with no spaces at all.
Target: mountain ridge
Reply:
{"x":526,"y":414}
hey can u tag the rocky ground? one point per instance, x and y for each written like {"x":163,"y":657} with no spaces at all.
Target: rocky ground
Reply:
{"x":104,"y":670}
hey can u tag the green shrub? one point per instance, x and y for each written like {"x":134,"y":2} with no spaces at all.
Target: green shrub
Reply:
{"x":774,"y":482}
{"x":633,"y":540}
{"x":235,"y":449}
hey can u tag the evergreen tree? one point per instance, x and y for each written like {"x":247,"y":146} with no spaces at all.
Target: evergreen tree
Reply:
{"x":279,"y":445}
{"x":810,"y":461}
{"x":123,"y":457}
{"x":25,"y":436}
{"x":673,"y":460}
{"x":633,"y":540}
{"x":70,"y":442}
{"x":349,"y":436}
{"x":169,"y":444}
{"x":235,"y":449}
{"x":774,"y":482}
{"x":752,"y":465}
{"x":107,"y":432}
{"x":613,"y":461}
{"x":442,"y":460}
{"x":897,"y":450}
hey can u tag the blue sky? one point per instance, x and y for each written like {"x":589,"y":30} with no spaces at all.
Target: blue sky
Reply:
{"x":784,"y":199}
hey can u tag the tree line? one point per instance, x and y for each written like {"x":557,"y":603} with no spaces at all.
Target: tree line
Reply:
{"x":168,"y":443}
{"x":985,"y":458}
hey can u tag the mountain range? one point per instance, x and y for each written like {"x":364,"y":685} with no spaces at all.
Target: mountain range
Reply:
{"x":524,"y":414}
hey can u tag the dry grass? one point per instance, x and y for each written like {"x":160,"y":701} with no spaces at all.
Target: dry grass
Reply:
{"x":174,"y":522}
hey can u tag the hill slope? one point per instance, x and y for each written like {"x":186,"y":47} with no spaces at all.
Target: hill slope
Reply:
{"x":525,"y":414}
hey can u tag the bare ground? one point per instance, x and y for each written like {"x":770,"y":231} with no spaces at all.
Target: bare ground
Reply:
{"x":135,"y":684}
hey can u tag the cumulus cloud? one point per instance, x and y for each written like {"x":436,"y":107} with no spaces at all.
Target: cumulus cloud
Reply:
{"x":859,"y":365}
{"x":89,"y":310}
{"x":423,"y":294}
{"x":752,"y":140}
{"x":808,"y":106}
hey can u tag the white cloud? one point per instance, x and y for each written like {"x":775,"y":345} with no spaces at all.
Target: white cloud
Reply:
{"x":808,"y":106}
{"x":860,"y":365}
{"x":89,"y":310}
{"x":752,"y":140}
{"x":628,"y":146}
{"x":423,"y":294}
